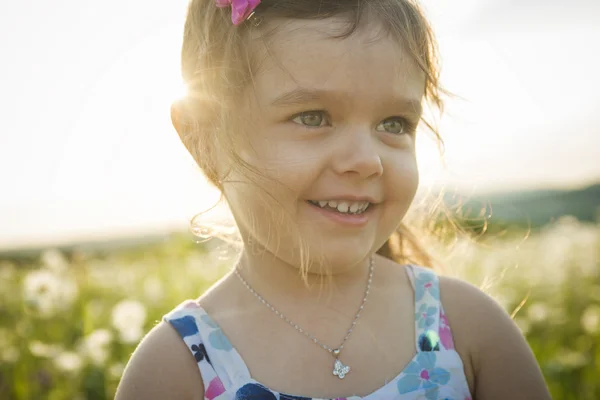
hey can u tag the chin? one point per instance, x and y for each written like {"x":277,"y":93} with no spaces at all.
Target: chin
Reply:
{"x":342,"y":257}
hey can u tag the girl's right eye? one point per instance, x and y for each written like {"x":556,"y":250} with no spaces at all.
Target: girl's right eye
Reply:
{"x":311,"y":119}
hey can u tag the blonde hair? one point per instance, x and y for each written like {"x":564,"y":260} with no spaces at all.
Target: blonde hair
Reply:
{"x":217,"y":66}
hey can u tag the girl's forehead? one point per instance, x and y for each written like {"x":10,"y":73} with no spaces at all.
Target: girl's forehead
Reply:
{"x":310,"y":54}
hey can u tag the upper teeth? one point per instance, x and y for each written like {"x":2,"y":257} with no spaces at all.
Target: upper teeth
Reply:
{"x":355,"y":207}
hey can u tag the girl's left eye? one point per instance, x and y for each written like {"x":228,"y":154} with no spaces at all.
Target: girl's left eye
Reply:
{"x":395,"y":125}
{"x":312,"y":119}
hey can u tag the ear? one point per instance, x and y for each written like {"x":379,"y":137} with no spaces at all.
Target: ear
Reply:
{"x":193,"y":135}
{"x":196,"y":139}
{"x":180,"y":120}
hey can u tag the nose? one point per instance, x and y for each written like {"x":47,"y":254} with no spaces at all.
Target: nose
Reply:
{"x":356,"y":153}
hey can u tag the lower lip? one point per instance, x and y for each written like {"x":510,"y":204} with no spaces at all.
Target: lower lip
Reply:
{"x":345,"y":219}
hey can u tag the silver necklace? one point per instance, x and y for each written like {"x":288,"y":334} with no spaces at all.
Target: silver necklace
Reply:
{"x":339,"y":369}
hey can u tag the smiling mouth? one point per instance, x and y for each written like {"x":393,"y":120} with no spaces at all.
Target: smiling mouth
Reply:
{"x":342,"y":206}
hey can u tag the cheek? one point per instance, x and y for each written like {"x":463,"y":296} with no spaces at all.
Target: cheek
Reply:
{"x":402,"y":181}
{"x":264,"y":213}
{"x":271,"y":192}
{"x":291,"y":166}
{"x":400,"y":186}
{"x":254,"y":209}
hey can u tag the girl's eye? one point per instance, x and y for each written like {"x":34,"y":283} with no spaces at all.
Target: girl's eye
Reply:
{"x":313,"y":119}
{"x":395,"y":125}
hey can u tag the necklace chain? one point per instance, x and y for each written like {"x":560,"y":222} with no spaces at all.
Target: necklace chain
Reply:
{"x":336,"y":351}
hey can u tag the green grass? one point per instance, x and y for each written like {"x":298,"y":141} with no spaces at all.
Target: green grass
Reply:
{"x":68,"y":323}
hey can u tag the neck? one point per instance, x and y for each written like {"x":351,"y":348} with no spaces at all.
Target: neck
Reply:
{"x":278,"y":280}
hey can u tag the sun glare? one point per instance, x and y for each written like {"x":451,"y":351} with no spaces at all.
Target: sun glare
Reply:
{"x":177,"y":91}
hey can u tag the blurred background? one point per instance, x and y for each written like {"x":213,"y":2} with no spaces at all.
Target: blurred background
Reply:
{"x":96,"y":191}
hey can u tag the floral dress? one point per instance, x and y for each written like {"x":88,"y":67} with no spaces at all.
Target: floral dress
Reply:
{"x":435,"y":372}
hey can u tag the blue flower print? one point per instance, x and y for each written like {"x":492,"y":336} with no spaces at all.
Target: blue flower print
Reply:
{"x":425,"y":316}
{"x":209,"y":321}
{"x":217,"y":338}
{"x":421,"y":373}
{"x":254,"y":391}
{"x":186,"y":326}
{"x":424,"y":283}
{"x":219,"y":341}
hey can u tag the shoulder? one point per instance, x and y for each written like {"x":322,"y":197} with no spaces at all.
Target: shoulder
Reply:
{"x":476,"y":319}
{"x":469,"y":306}
{"x":161,"y":367}
{"x":498,"y":361}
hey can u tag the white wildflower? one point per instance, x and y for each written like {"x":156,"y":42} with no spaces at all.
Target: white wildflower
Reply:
{"x":40,"y":291}
{"x":116,"y":370}
{"x":48,"y":292}
{"x":537,"y":312}
{"x":68,"y":361}
{"x":130,"y":335}
{"x":128,"y":317}
{"x":41,"y":349}
{"x":54,"y":260}
{"x":40,"y":282}
{"x":95,"y":346}
{"x":590,"y":320}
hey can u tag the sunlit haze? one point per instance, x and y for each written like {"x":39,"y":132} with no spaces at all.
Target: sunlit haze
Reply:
{"x":87,"y":149}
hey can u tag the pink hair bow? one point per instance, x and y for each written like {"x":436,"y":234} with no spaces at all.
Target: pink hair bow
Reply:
{"x":240,"y":9}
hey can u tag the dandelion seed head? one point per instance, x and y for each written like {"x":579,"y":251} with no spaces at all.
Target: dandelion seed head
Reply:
{"x":128,"y":315}
{"x":130,"y":335}
{"x":54,"y":260}
{"x":95,"y":346}
{"x":46,"y":292}
{"x":590,"y":320}
{"x":68,"y":361}
{"x":41,"y":349}
{"x":116,"y":370}
{"x":537,"y":312}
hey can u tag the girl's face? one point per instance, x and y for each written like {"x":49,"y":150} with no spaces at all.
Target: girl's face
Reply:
{"x":332,"y":122}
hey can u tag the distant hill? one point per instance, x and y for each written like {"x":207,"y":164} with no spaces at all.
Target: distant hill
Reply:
{"x":537,"y":207}
{"x":526,"y":208}
{"x":118,"y":243}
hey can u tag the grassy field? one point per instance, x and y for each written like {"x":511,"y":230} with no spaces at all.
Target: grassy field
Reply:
{"x":69,"y":322}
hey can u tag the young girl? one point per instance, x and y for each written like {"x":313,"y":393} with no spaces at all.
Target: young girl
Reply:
{"x":304,"y":115}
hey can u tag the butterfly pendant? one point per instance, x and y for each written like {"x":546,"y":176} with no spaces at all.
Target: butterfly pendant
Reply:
{"x":340,"y":370}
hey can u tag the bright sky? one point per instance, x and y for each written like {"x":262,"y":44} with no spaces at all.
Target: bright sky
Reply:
{"x":86,"y":145}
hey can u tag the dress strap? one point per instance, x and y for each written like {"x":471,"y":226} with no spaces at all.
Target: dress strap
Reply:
{"x":221,"y":366}
{"x":427,"y":307}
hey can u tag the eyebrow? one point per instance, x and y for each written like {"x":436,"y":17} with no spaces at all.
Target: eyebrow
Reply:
{"x":300,"y":96}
